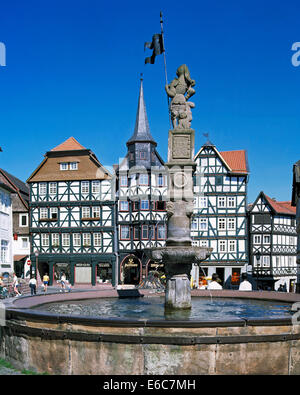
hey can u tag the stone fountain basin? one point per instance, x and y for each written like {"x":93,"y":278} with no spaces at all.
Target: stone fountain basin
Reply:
{"x":62,"y":344}
{"x":179,"y":255}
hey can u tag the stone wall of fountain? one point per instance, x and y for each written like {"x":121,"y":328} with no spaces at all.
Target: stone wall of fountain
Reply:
{"x":44,"y":342}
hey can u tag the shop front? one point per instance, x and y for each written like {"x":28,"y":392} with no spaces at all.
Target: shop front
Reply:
{"x":131,"y":270}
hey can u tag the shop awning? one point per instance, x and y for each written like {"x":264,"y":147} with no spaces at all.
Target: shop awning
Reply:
{"x":19,"y":257}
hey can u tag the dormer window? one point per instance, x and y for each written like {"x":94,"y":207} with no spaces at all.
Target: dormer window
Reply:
{"x":73,"y":166}
{"x":68,"y":166}
{"x":64,"y":166}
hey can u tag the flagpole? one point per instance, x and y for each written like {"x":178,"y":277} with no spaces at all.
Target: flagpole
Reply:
{"x":165,"y":61}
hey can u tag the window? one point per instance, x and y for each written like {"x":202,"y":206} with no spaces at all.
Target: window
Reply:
{"x":85,"y":211}
{"x":257,"y":239}
{"x":23,"y":220}
{"x":53,"y":212}
{"x":232,"y":245}
{"x":203,"y":202}
{"x":45,"y":240}
{"x":222,"y":246}
{"x":55,"y":240}
{"x":221,"y":224}
{"x":144,"y":232}
{"x":194,"y":224}
{"x":97,"y":239}
{"x":231,"y":223}
{"x":42,"y":188}
{"x":143,"y":155}
{"x":85,"y":187}
{"x":73,"y":166}
{"x":135,"y":206}
{"x":267,"y":239}
{"x":152,"y":232}
{"x":95,"y":186}
{"x":160,"y":180}
{"x":124,"y":205}
{"x":203,"y":223}
{"x":231,"y":201}
{"x":203,"y":243}
{"x":65,"y":239}
{"x":86,"y":239}
{"x":266,"y":261}
{"x":144,"y":204}
{"x":123,"y":181}
{"x":25,"y":242}
{"x":76,"y":240}
{"x":52,"y":188}
{"x":136,"y":233}
{"x":161,"y":232}
{"x":43,"y":213}
{"x":219,"y":180}
{"x":4,"y":251}
{"x":160,"y":205}
{"x":96,"y":211}
{"x":143,"y":179}
{"x":124,"y":232}
{"x":221,"y":202}
{"x":64,"y":166}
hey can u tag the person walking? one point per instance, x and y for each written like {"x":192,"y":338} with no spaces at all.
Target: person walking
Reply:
{"x":245,"y":285}
{"x":32,"y":286}
{"x":45,"y":282}
{"x":16,"y":285}
{"x":215,"y":282}
{"x":63,"y":282}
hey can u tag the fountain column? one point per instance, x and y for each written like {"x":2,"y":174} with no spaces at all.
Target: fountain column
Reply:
{"x":178,"y":255}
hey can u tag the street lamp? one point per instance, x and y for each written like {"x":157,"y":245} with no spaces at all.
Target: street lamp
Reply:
{"x":36,"y":267}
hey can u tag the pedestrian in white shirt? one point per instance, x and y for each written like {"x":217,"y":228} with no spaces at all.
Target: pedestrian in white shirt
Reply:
{"x":214,"y":284}
{"x":32,"y":286}
{"x":245,"y":285}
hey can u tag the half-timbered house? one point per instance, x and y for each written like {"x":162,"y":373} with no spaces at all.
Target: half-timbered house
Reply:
{"x":6,"y":259}
{"x":72,"y":216}
{"x":20,"y":211}
{"x":142,"y":189}
{"x":220,"y":218}
{"x":272,"y":242}
{"x":296,"y":204}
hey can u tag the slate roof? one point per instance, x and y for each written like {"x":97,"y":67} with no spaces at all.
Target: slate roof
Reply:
{"x":142,"y":128}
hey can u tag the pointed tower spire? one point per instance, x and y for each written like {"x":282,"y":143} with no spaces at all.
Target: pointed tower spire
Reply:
{"x":142,"y":129}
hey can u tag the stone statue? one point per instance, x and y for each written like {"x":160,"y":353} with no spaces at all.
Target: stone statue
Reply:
{"x":180,"y":108}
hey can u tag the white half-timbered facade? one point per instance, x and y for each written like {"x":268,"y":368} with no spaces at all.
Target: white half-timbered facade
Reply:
{"x":142,"y":191}
{"x":296,"y":205}
{"x":72,"y":216}
{"x":6,"y":239}
{"x":273,"y":243}
{"x":220,"y":217}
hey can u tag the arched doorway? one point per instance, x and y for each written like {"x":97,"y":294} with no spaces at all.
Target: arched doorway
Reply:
{"x":131,"y":270}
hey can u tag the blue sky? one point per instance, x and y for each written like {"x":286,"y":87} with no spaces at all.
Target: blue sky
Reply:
{"x":72,"y":69}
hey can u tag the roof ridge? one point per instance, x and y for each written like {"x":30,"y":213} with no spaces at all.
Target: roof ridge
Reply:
{"x":69,"y":145}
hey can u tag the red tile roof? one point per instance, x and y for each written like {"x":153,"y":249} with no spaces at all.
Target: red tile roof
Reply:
{"x":70,"y":144}
{"x":281,"y":207}
{"x":236,"y":160}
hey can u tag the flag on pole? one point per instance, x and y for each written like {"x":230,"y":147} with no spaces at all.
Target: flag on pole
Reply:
{"x":156,"y":45}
